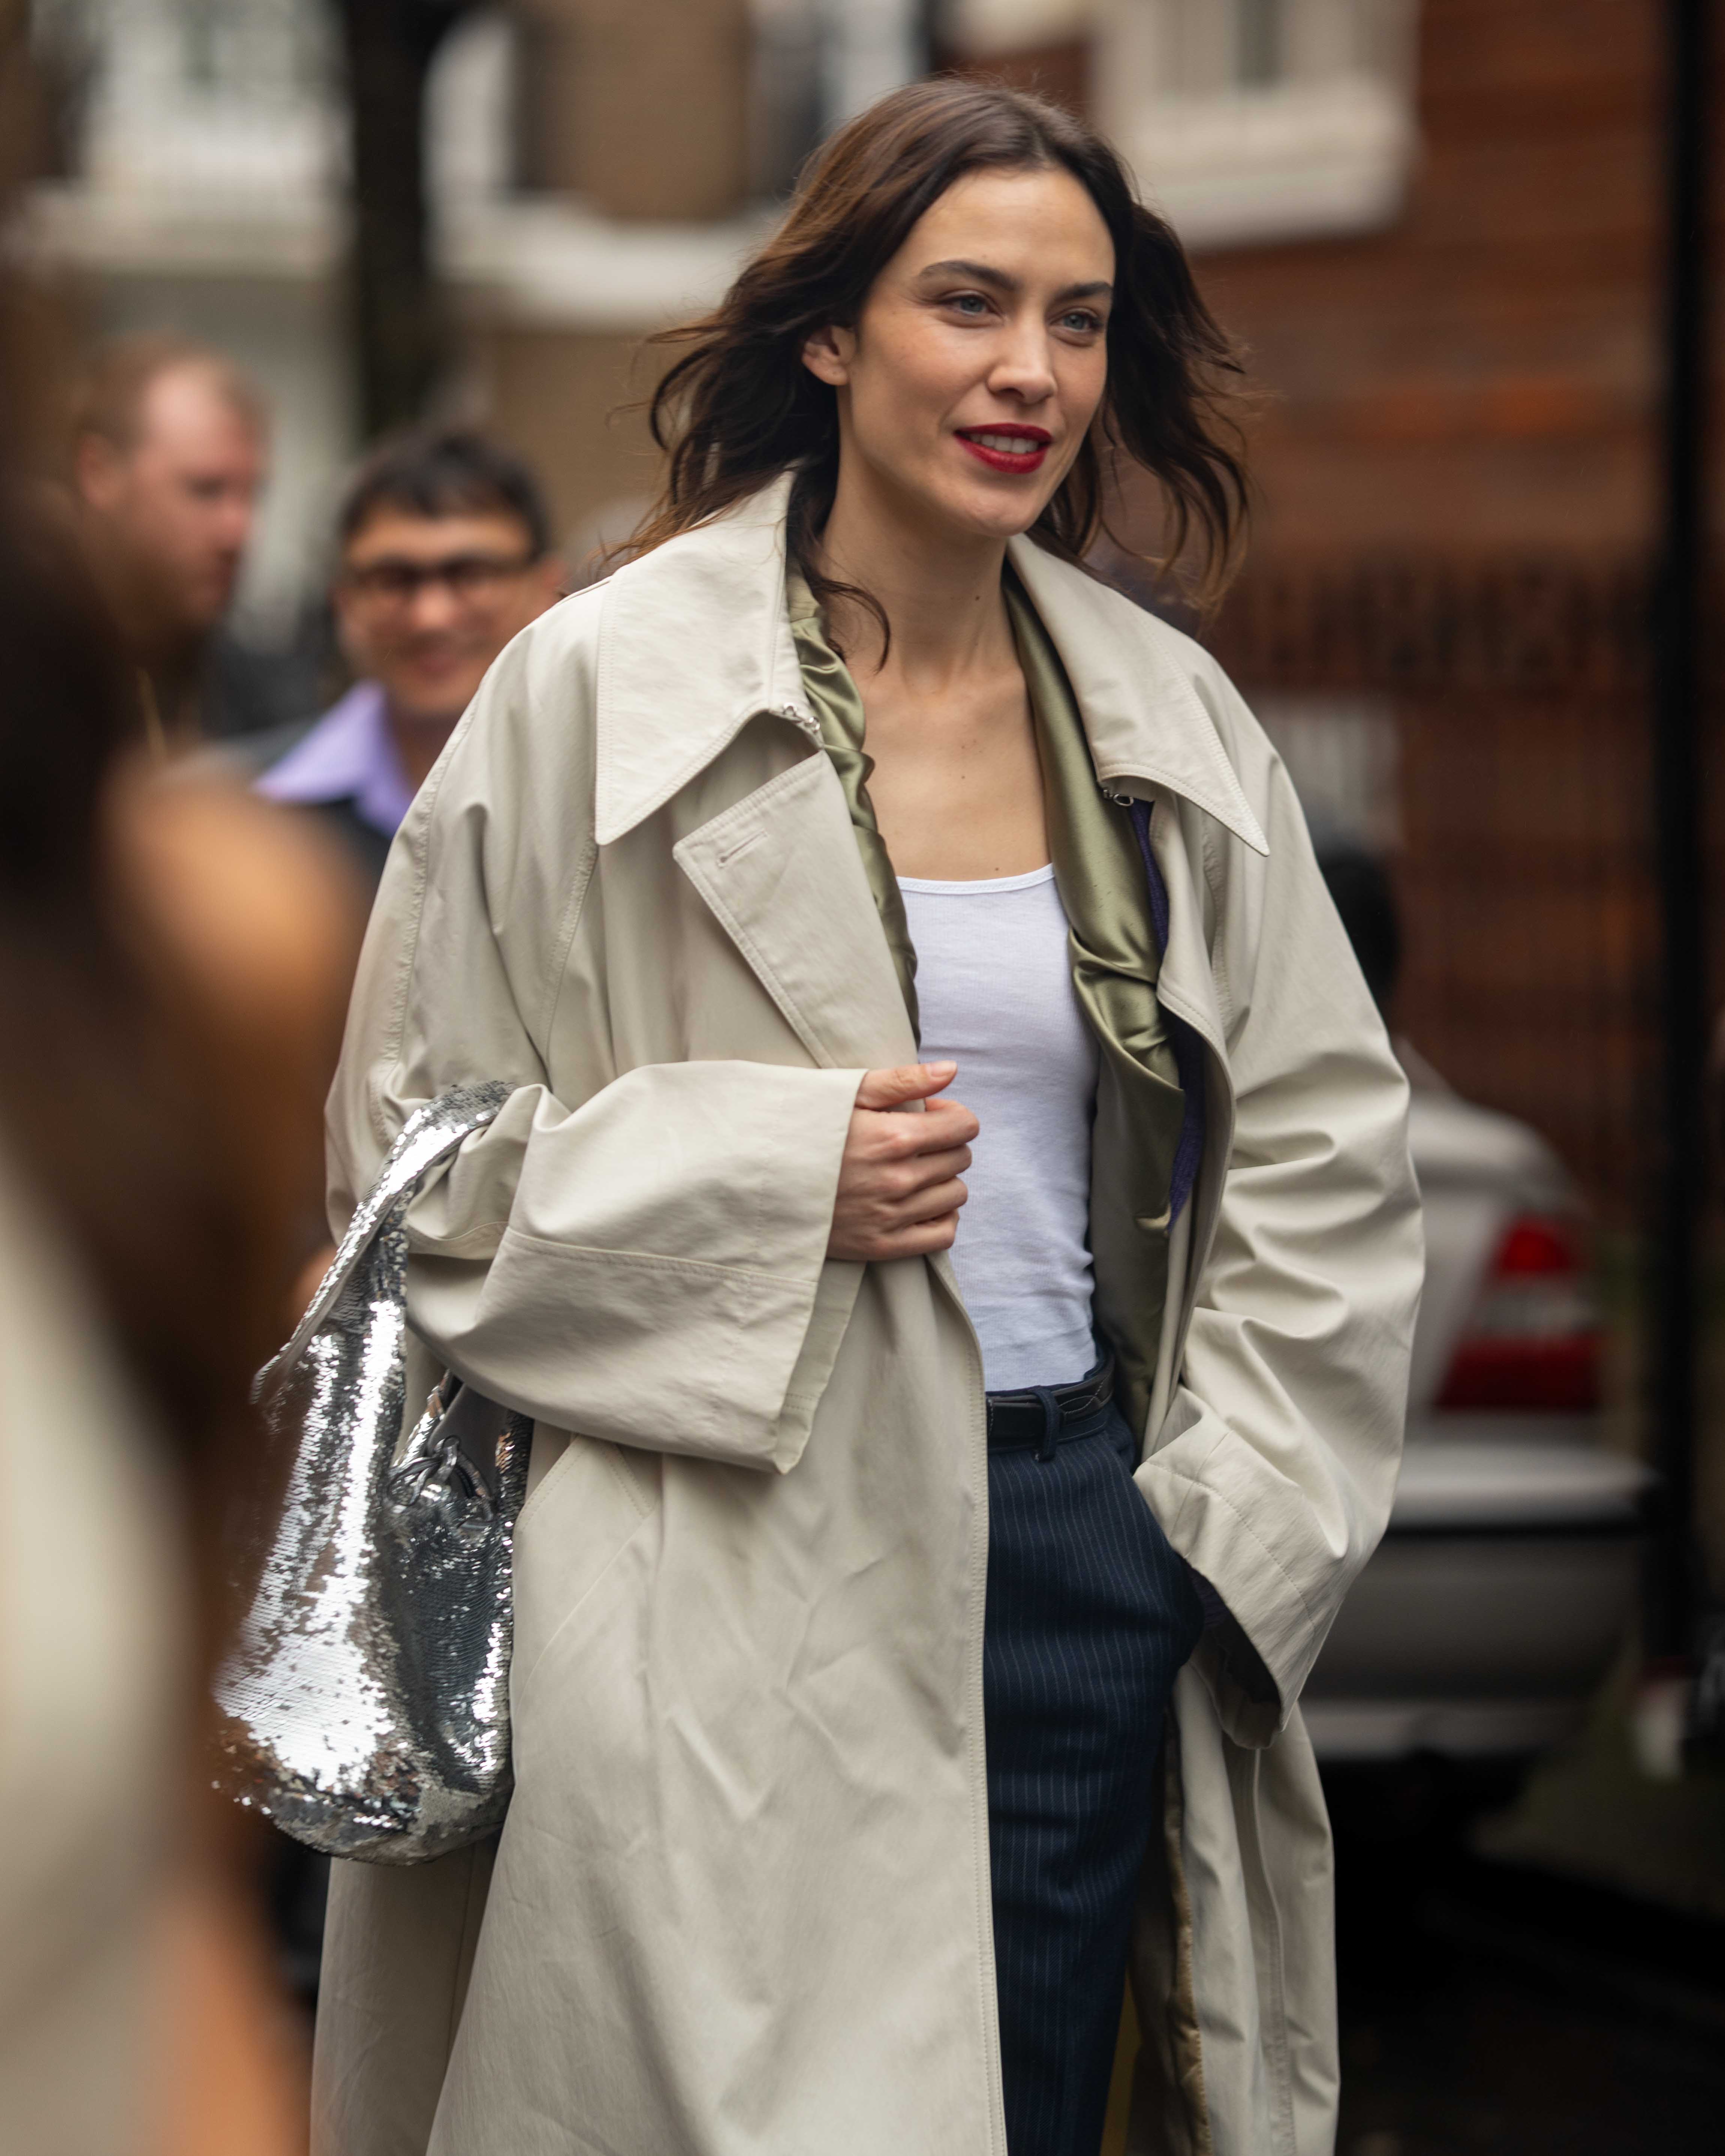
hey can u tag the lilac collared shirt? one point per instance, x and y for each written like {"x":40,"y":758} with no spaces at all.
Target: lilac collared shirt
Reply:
{"x":350,"y":755}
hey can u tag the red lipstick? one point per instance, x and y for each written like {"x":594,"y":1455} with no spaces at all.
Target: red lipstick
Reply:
{"x":989,"y":445}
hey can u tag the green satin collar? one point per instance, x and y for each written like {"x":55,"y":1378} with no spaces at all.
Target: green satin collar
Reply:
{"x":837,"y":702}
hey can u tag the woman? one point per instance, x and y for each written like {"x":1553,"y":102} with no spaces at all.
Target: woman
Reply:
{"x":844,"y":1637}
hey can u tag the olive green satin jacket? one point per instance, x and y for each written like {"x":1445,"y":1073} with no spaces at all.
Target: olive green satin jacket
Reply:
{"x":740,"y":1907}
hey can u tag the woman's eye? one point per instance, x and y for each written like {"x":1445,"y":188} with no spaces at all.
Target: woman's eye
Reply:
{"x":968,"y":303}
{"x":1081,"y":322}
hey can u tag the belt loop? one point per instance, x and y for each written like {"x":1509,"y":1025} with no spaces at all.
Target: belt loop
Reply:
{"x":1050,"y":1422}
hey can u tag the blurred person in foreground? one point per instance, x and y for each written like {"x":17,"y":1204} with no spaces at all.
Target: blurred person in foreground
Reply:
{"x":445,"y":554}
{"x":173,"y":961}
{"x":169,"y":451}
{"x":898,"y":1478}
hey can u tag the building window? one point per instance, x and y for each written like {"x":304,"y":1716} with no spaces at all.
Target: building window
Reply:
{"x":1250,"y":122}
{"x":1245,"y":120}
{"x":1257,"y":42}
{"x":201,"y":44}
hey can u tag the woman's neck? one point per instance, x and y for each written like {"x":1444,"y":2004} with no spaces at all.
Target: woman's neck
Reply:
{"x":955,"y":786}
{"x":941,"y":591}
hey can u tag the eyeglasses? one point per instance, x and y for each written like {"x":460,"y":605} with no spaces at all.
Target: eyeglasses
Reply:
{"x":475,"y":580}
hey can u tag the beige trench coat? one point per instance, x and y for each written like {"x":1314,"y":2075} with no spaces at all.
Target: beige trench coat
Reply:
{"x":740,"y":1904}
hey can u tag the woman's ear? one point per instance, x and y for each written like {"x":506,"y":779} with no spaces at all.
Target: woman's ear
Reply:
{"x":828,"y":353}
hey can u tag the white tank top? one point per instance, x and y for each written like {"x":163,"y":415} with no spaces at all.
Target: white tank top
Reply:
{"x":994,"y":984}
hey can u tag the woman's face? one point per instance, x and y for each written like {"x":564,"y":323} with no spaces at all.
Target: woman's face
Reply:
{"x":969,"y":381}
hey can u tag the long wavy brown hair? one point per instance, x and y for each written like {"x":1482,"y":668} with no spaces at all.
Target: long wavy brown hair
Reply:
{"x":738,"y":407}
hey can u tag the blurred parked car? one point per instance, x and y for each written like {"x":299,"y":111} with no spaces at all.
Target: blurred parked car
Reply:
{"x":1476,"y":1638}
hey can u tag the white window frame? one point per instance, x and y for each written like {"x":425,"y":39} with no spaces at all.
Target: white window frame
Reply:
{"x":1326,"y":148}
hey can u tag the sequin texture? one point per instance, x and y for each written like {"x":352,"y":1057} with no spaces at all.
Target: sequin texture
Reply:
{"x":365,"y":1705}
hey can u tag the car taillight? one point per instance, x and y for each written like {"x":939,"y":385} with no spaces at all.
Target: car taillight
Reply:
{"x":1533,"y":1340}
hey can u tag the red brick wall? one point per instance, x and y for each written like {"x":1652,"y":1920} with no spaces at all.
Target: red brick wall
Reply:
{"x":1461,"y":409}
{"x":1518,"y":691}
{"x":1479,"y":377}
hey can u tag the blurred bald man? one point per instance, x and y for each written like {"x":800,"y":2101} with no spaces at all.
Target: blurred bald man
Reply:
{"x":169,"y":454}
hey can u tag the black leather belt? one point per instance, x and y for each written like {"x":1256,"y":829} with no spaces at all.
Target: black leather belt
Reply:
{"x":1048,"y":1414}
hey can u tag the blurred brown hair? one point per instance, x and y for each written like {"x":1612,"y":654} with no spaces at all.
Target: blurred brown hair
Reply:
{"x":738,"y":407}
{"x":100,"y":1103}
{"x":107,"y":398}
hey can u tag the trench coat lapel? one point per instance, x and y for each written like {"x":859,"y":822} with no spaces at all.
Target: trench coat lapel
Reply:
{"x":694,"y":642}
{"x":779,"y":869}
{"x":1144,"y":717}
{"x":782,"y":876}
{"x":1149,"y":735}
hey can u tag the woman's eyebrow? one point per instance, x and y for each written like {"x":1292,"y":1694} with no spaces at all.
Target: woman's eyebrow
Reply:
{"x":979,"y":270}
{"x":1098,"y":288}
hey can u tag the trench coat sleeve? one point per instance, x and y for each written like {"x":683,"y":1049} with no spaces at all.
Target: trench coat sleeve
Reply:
{"x":639,"y":1256}
{"x":1274,"y":1467}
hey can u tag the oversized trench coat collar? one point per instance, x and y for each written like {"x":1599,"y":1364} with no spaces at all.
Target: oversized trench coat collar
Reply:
{"x":695,"y":642}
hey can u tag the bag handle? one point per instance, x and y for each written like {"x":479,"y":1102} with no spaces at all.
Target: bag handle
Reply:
{"x":434,"y":1131}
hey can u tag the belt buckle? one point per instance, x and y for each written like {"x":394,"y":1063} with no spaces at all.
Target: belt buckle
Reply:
{"x":1051,"y":1420}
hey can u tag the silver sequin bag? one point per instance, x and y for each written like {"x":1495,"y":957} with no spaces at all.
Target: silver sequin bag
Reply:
{"x":365,"y":1705}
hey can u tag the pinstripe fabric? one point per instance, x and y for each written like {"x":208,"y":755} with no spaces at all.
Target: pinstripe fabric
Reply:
{"x":1090,"y":1614}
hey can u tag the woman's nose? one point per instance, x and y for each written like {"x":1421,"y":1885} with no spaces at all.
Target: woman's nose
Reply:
{"x":1024,"y":368}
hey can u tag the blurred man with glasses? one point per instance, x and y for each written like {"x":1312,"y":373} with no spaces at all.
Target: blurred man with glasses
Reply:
{"x":445,"y":554}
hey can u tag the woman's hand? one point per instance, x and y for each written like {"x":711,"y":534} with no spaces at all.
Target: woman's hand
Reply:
{"x":898,"y":1191}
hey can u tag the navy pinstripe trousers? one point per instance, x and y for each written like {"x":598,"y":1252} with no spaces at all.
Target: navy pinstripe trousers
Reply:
{"x":1090,"y":1614}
